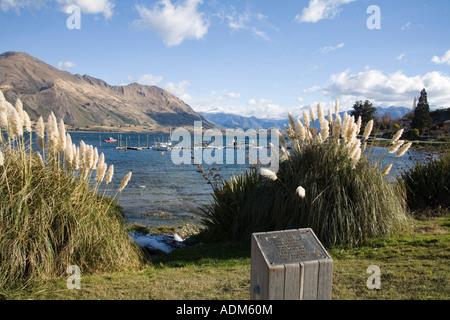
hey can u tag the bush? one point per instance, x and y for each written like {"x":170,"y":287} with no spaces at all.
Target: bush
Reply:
{"x":327,"y":184}
{"x":51,"y":216}
{"x":428,"y":185}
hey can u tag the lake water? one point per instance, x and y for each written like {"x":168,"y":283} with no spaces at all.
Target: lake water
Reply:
{"x":161,"y":193}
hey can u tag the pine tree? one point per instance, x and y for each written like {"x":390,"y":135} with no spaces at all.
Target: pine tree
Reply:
{"x":422,"y":119}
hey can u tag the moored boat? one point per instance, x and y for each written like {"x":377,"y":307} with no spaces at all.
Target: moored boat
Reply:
{"x":110,"y":140}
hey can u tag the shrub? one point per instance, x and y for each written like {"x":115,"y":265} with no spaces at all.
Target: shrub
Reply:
{"x":225,"y":219}
{"x":427,"y":185}
{"x":328,"y":183}
{"x":50,"y":213}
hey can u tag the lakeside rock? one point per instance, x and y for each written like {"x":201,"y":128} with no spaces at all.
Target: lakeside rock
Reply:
{"x":160,"y":244}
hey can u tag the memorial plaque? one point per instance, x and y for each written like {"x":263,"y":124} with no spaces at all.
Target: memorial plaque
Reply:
{"x":290,"y":265}
{"x":288,"y":247}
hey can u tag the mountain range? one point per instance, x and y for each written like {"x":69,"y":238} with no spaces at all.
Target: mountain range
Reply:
{"x":233,"y":121}
{"x":88,"y":103}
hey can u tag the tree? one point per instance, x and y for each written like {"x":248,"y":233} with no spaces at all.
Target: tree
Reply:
{"x":422,"y":119}
{"x":364,"y":110}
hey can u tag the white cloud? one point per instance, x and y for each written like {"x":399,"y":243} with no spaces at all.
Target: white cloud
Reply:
{"x":63,"y":65}
{"x":233,"y":95}
{"x":105,"y":7}
{"x":406,"y":26}
{"x":329,"y":49}
{"x":180,"y":90}
{"x":256,"y":24}
{"x":395,"y":89}
{"x":311,"y":90}
{"x":147,"y":79}
{"x":238,"y":21}
{"x":260,"y":108}
{"x":321,"y":9}
{"x":253,"y":102}
{"x":401,"y":57}
{"x":174,"y":22}
{"x":445,"y":59}
{"x":217,"y":104}
{"x":17,"y":5}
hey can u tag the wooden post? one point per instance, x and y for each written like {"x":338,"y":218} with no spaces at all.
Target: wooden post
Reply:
{"x":290,"y":265}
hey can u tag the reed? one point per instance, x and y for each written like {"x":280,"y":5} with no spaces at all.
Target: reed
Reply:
{"x":50,"y":214}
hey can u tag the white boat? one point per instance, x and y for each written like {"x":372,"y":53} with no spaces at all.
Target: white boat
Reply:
{"x":162,"y":146}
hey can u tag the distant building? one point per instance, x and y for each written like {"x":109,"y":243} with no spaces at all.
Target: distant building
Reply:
{"x":406,"y":124}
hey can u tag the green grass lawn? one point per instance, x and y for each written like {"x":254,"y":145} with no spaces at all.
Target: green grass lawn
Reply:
{"x":413,"y":266}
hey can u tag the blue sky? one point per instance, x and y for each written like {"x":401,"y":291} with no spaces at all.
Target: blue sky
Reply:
{"x":250,"y":57}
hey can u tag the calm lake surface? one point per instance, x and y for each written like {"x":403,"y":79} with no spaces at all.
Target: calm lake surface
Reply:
{"x":162,"y":193}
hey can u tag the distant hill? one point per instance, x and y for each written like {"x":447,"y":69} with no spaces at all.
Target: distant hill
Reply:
{"x":233,"y":121}
{"x":394,"y":112}
{"x":87,"y":102}
{"x":440,"y":116}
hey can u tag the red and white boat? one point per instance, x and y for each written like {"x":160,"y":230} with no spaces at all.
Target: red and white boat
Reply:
{"x":110,"y":140}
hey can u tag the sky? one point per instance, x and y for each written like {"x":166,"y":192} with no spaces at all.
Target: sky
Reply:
{"x":262,"y":58}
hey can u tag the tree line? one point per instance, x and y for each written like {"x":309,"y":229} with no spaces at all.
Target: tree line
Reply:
{"x":420,"y":116}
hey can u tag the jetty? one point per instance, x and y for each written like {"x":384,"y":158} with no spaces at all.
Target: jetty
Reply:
{"x":126,"y":145}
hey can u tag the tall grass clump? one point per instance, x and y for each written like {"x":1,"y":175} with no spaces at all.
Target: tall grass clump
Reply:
{"x":51,"y":215}
{"x":427,"y":185}
{"x":328,"y":183}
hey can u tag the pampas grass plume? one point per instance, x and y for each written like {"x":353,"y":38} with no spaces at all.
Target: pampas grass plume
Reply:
{"x":387,"y":170}
{"x":101,"y":168}
{"x":61,"y":135}
{"x":82,"y":154}
{"x":368,"y":130}
{"x":306,"y":119}
{"x":312,"y":115}
{"x":52,"y":131}
{"x":397,"y":136}
{"x":124,"y":182}
{"x":76,"y":157}
{"x":301,"y":131}
{"x":301,"y":192}
{"x":396,"y":146}
{"x":69,"y":150}
{"x":15,"y":125}
{"x":403,"y":150}
{"x":109,"y":174}
{"x":269,"y":174}
{"x":27,"y":122}
{"x":96,"y":158}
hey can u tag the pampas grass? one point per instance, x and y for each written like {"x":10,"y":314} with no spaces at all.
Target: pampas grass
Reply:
{"x":343,"y":195}
{"x":50,"y":215}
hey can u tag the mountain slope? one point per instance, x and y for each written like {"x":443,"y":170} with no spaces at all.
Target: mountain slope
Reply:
{"x":84,"y":101}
